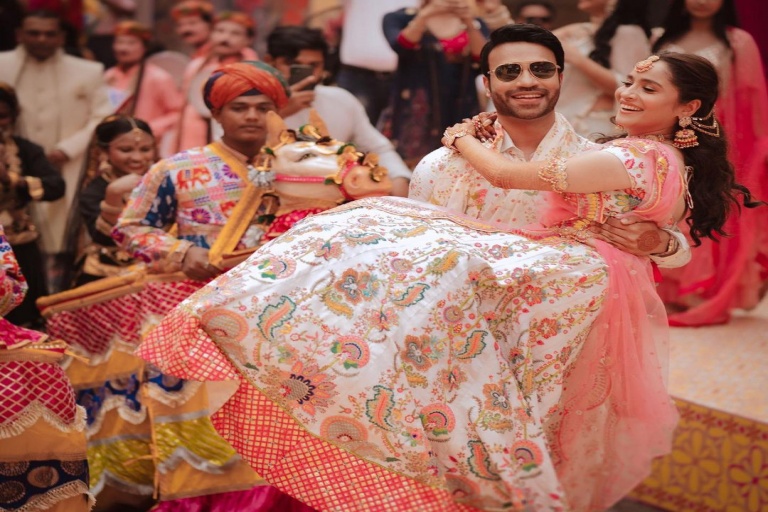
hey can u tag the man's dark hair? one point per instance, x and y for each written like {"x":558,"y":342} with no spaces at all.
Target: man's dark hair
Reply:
{"x":548,"y":6}
{"x":288,"y":40}
{"x":45,"y":14}
{"x":522,"y":33}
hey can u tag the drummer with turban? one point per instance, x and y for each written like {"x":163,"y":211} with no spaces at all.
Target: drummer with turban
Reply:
{"x":198,"y":189}
{"x":202,"y":192}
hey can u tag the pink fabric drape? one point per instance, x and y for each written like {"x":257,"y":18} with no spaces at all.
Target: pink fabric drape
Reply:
{"x":263,"y":498}
{"x":616,"y":414}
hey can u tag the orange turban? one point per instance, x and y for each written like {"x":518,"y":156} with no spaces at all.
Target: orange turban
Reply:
{"x":193,"y":8}
{"x":133,"y":28}
{"x":245,"y":78}
{"x":237,"y":17}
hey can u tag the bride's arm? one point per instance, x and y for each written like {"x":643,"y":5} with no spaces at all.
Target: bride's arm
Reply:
{"x":591,"y":172}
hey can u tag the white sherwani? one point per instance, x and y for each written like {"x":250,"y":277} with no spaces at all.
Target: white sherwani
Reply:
{"x":62,"y":100}
{"x":444,"y":178}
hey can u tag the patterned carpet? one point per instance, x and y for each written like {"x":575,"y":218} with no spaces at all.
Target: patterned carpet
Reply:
{"x":722,"y":369}
{"x":633,"y":506}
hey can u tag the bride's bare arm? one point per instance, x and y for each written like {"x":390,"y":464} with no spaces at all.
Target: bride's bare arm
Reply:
{"x":590,"y":172}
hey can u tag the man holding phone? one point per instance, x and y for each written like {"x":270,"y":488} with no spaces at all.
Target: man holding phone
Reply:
{"x":299,"y":54}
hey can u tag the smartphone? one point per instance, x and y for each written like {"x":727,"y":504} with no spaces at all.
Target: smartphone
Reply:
{"x":299,"y":72}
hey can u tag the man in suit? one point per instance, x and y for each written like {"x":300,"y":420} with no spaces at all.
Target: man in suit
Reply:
{"x":62,"y":100}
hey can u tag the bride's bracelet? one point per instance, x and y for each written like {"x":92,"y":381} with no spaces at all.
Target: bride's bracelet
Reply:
{"x":554,"y":173}
{"x":452,"y":133}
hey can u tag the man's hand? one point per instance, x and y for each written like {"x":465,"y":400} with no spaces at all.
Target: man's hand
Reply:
{"x":58,"y":158}
{"x":299,"y":99}
{"x":196,"y":266}
{"x":641,"y":238}
{"x":489,"y":5}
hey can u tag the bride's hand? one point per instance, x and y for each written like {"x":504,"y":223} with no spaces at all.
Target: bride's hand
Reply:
{"x":484,"y":126}
{"x":464,"y":128}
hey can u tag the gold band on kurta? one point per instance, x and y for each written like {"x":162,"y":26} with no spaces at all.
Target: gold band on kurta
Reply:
{"x":243,"y":213}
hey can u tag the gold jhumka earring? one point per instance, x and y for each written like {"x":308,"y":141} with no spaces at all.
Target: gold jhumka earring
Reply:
{"x":686,"y":137}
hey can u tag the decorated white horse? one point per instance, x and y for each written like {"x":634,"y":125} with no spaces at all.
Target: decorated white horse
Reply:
{"x":302,"y":172}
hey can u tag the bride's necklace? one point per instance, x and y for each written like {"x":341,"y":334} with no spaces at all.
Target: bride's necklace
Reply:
{"x":655,"y":136}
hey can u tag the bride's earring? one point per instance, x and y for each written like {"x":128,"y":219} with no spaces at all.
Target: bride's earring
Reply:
{"x":685,"y":138}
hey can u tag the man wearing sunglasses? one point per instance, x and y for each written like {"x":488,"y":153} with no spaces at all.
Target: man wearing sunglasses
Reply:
{"x":522,"y":68}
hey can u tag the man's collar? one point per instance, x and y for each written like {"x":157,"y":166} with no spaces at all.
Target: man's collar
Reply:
{"x":236,"y":154}
{"x":560,"y":125}
{"x":506,"y":142}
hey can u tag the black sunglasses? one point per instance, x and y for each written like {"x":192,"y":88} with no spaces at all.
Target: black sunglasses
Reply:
{"x":541,"y":69}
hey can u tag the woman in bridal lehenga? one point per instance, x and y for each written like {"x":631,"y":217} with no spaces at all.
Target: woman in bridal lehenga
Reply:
{"x":390,"y":355}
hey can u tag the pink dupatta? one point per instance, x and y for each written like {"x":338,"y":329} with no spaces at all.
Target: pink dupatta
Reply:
{"x":615,"y":414}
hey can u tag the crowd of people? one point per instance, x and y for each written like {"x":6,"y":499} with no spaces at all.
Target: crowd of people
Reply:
{"x":440,"y":273}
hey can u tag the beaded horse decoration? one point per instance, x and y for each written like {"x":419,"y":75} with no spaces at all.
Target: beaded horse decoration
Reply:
{"x":311,"y":165}
{"x":296,"y":174}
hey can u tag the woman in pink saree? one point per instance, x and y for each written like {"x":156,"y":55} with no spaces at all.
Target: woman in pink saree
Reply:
{"x":724,"y":273}
{"x":390,"y":355}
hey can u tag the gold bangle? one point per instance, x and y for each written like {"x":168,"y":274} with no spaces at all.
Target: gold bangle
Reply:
{"x":452,"y":133}
{"x":554,"y":173}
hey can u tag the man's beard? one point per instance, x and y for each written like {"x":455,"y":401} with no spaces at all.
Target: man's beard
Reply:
{"x":506,"y":110}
